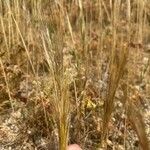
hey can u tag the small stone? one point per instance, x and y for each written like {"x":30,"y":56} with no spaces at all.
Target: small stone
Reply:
{"x":145,"y":60}
{"x":29,"y":132}
{"x":74,"y":147}
{"x":9,"y":148}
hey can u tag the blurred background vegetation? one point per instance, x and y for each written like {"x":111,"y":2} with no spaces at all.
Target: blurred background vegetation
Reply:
{"x":74,"y":71}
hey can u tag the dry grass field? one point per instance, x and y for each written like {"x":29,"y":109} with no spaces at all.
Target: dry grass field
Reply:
{"x":74,"y":72}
